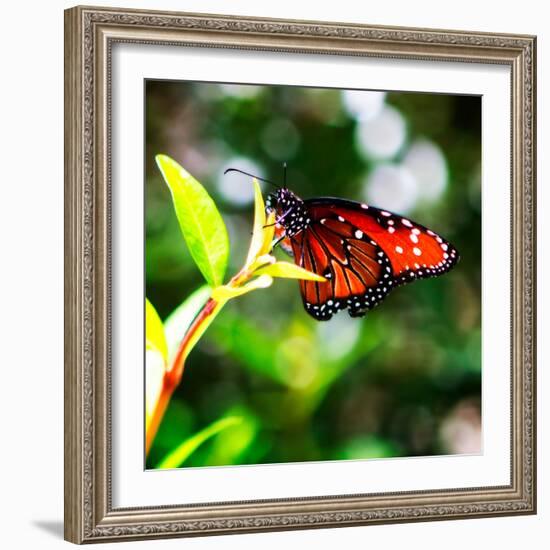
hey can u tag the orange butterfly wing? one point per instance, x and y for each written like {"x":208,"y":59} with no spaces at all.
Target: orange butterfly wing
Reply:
{"x":363,"y":252}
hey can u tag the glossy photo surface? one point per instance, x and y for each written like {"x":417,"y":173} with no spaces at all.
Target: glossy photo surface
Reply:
{"x":295,"y":371}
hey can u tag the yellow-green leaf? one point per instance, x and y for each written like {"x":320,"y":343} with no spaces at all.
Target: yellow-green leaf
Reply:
{"x":180,"y":454}
{"x":269,"y":232}
{"x":155,"y":369}
{"x":154,"y":331}
{"x":258,"y":231}
{"x":264,"y":227}
{"x":200,"y":221}
{"x":226,"y":292}
{"x":286,"y":270}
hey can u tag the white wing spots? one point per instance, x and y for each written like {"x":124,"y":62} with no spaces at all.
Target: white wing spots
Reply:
{"x":422,"y":271}
{"x":390,"y":276}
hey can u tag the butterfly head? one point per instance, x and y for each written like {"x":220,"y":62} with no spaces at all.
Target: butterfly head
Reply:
{"x":290,"y":210}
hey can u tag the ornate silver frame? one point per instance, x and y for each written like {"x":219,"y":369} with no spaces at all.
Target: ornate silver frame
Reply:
{"x":89,"y":36}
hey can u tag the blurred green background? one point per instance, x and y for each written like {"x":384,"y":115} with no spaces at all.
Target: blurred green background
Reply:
{"x":403,"y":381}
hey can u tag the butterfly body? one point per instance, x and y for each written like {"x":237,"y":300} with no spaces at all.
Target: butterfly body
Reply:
{"x":362,"y":251}
{"x":291,"y":209}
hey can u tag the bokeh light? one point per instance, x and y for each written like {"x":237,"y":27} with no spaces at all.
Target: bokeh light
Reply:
{"x":362,"y":104}
{"x":338,"y":337}
{"x":461,"y":430}
{"x":241,"y":91}
{"x":280,"y":139}
{"x":426,"y":162}
{"x":236,"y":188}
{"x":391,"y":187}
{"x":382,"y":136}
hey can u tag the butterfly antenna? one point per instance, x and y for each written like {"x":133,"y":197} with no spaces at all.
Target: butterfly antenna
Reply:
{"x":284,"y":175}
{"x":251,"y":175}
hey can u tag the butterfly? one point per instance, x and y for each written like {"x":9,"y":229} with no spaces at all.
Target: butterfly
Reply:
{"x":363,"y":252}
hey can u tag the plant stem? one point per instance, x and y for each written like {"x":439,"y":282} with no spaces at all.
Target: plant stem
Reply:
{"x":173,"y":374}
{"x":194,"y":332}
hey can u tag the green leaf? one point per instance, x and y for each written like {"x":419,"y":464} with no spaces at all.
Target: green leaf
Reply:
{"x":233,"y":444}
{"x":177,"y":323}
{"x":154,"y":331}
{"x":180,"y":454}
{"x":286,"y":270}
{"x":200,"y":221}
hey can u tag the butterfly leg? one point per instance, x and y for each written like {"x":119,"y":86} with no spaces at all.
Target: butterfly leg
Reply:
{"x":279,"y":219}
{"x":279,"y":240}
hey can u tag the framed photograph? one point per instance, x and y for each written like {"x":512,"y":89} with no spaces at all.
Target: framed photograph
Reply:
{"x":300,"y":274}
